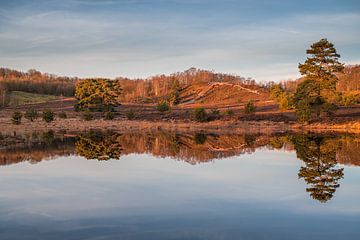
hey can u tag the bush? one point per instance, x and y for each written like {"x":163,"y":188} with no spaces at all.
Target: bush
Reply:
{"x":229,"y":112}
{"x":249,"y":107}
{"x":200,"y":115}
{"x":285,"y":101}
{"x":87,"y":115}
{"x":174,"y":97}
{"x":349,"y":99}
{"x":130,"y":114}
{"x":215,"y":111}
{"x":16,"y":117}
{"x":163,"y":107}
{"x":214,"y":115}
{"x":109,"y":115}
{"x":31,"y":114}
{"x":48,"y":116}
{"x":62,"y":115}
{"x":200,"y":138}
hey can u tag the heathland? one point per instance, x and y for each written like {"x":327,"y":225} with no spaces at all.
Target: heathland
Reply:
{"x":326,"y":97}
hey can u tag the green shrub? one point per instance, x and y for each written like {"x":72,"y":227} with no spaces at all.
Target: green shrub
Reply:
{"x":16,"y":117}
{"x":48,"y":116}
{"x":163,"y":107}
{"x":285,"y":101}
{"x":349,"y":99}
{"x":200,"y":138}
{"x":130,"y":114}
{"x":249,"y":107}
{"x":215,"y":111}
{"x":109,"y":115}
{"x":229,"y":112}
{"x":214,"y":115}
{"x":87,"y":115}
{"x":31,"y":114}
{"x":200,"y":115}
{"x":62,"y":115}
{"x":174,"y":97}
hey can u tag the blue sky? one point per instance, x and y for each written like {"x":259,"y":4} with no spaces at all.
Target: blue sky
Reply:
{"x":263,"y":39}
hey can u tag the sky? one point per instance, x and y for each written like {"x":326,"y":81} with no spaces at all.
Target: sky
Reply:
{"x":262,"y":39}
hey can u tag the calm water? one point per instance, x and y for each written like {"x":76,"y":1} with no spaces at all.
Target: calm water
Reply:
{"x":163,"y":185}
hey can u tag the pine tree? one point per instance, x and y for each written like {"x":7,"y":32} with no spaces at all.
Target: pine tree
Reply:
{"x":174,"y":97}
{"x":319,"y":71}
{"x":97,"y":94}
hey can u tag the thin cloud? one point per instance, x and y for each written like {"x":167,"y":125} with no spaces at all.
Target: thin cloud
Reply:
{"x":136,"y":40}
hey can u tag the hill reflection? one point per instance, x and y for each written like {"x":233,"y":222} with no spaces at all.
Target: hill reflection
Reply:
{"x":320,"y":153}
{"x":193,"y":148}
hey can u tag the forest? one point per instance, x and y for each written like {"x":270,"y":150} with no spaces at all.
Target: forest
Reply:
{"x":34,"y":81}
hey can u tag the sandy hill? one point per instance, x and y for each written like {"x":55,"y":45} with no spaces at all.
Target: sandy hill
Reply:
{"x":194,"y":86}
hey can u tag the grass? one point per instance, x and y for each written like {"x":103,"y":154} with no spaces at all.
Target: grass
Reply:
{"x":22,"y":98}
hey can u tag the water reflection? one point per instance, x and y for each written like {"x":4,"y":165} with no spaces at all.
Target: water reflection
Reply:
{"x":320,"y":171}
{"x":98,"y":145}
{"x":320,"y":153}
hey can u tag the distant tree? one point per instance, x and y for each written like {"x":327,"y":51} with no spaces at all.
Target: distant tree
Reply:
{"x":276,"y":90}
{"x":249,"y":139}
{"x":87,"y":115}
{"x":48,"y":116}
{"x":319,"y":71}
{"x":282,"y":97}
{"x":215,"y":111}
{"x":31,"y":114}
{"x":130,"y":115}
{"x":109,"y":115}
{"x":62,"y":115}
{"x":348,"y":99}
{"x":3,"y":95}
{"x":200,"y":115}
{"x":174,"y":97}
{"x":250,"y":107}
{"x":229,"y":112}
{"x":200,"y":138}
{"x":97,"y":94}
{"x":16,"y":117}
{"x":163,"y":106}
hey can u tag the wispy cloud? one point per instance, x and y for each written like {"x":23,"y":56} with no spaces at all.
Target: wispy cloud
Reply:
{"x":137,"y":39}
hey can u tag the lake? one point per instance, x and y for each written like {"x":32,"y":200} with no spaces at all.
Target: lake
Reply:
{"x":178,"y":185}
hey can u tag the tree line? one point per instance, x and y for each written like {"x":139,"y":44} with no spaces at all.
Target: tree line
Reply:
{"x":34,"y":81}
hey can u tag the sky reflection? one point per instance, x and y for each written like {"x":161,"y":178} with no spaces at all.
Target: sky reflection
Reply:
{"x":142,"y":196}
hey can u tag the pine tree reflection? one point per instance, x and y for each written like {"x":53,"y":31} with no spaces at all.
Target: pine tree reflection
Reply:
{"x":320,"y":171}
{"x":98,"y":145}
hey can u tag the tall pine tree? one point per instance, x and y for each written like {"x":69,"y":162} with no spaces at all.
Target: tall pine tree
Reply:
{"x":319,"y":71}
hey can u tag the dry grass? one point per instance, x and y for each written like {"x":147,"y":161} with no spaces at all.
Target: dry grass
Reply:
{"x":266,"y":119}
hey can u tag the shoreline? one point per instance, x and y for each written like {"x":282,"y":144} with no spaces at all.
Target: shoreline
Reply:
{"x":218,"y":126}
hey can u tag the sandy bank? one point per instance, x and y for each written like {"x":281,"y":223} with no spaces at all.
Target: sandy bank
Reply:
{"x":231,"y":126}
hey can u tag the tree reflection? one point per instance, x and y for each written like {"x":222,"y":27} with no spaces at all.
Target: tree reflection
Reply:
{"x":320,"y":153}
{"x":320,"y":171}
{"x":200,"y":138}
{"x":98,"y":145}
